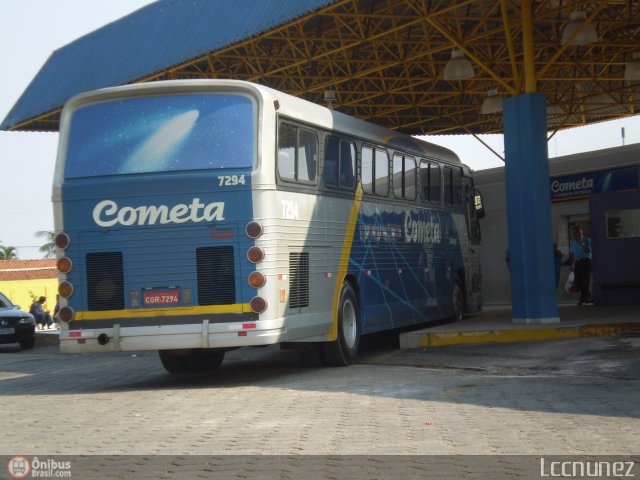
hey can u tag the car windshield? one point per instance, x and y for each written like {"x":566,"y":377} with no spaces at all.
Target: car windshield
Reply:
{"x":5,"y":302}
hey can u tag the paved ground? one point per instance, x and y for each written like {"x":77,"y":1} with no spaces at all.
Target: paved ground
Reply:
{"x":570,"y":397}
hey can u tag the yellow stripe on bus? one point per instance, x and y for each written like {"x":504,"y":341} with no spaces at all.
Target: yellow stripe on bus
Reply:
{"x":344,"y":261}
{"x":163,"y":312}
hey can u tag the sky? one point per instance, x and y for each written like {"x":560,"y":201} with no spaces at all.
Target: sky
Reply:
{"x":31,"y":30}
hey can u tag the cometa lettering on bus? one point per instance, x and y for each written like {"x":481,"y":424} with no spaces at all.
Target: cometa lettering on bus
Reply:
{"x":420,"y":231}
{"x":107,"y":213}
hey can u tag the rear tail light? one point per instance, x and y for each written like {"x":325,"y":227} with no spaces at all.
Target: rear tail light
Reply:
{"x":257,"y":279}
{"x":255,"y":254}
{"x":65,"y":289}
{"x":64,"y":264}
{"x":253,"y":229}
{"x":66,"y":314}
{"x":258,"y":304}
{"x":62,"y":240}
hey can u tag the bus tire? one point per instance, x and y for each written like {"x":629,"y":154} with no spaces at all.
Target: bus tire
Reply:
{"x":344,"y":349}
{"x":174,"y":361}
{"x":204,"y":359}
{"x":310,"y":354}
{"x":457,"y":300}
{"x":185,"y":361}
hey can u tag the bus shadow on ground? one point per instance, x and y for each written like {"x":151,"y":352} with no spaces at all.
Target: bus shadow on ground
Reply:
{"x":462,"y":375}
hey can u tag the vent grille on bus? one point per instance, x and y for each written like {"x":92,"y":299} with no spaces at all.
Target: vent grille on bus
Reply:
{"x":216,"y":276}
{"x":298,"y":280}
{"x":105,"y":281}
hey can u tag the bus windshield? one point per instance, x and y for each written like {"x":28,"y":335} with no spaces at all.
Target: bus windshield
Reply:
{"x":161,"y":134}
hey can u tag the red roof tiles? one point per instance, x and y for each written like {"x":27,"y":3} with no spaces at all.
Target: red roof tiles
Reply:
{"x":27,"y":269}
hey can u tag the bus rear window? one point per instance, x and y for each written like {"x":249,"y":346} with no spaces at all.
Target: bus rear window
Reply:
{"x":161,"y":134}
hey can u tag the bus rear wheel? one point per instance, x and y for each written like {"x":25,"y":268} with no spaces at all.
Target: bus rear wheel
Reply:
{"x":344,"y":349}
{"x":205,"y":359}
{"x":174,"y":361}
{"x":185,"y":361}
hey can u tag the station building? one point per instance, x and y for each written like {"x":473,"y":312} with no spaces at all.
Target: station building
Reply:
{"x":596,"y":190}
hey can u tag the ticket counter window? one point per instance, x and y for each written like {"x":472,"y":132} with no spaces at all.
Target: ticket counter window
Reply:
{"x":623,"y":223}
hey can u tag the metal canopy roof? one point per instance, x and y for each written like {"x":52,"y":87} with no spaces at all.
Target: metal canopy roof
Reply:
{"x":384,"y":58}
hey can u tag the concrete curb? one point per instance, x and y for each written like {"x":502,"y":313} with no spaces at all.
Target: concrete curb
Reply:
{"x":424,"y":338}
{"x":47,"y":338}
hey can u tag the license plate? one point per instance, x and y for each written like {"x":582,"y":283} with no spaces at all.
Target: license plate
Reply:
{"x":7,"y":331}
{"x":168,"y":297}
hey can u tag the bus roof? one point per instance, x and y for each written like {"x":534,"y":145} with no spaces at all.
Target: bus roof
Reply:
{"x":305,"y":110}
{"x":288,"y":105}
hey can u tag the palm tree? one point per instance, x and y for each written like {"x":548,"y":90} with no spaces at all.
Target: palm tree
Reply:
{"x":8,"y":253}
{"x":49,"y":248}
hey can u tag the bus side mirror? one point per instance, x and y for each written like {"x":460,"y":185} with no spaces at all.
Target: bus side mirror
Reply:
{"x":477,"y":201}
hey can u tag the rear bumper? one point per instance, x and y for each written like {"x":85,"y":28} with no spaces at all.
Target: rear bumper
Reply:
{"x":117,"y":338}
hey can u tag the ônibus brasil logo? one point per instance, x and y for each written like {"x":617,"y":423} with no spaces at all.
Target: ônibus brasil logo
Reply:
{"x":18,"y":467}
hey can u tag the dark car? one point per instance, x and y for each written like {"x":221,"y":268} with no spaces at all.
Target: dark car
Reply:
{"x":16,"y":326}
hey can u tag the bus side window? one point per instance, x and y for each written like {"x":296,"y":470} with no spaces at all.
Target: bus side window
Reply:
{"x":331,"y":152}
{"x":396,"y":176}
{"x":287,"y":151}
{"x":456,"y":182}
{"x":375,"y":171}
{"x":435,"y":183}
{"x":307,"y":156}
{"x":347,"y":165}
{"x":381,"y":173}
{"x":367,"y":170}
{"x":297,"y":154}
{"x":404,"y":177}
{"x":423,"y":173}
{"x":430,"y":181}
{"x":409,"y":178}
{"x":339,"y":163}
{"x":453,"y":185}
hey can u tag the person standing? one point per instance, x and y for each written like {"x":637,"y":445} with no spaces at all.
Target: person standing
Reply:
{"x":581,"y":255}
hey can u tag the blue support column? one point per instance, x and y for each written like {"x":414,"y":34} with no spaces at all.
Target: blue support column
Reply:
{"x":533,"y":279}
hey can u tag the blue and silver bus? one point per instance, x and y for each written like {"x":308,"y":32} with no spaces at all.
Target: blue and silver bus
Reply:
{"x":195,"y":217}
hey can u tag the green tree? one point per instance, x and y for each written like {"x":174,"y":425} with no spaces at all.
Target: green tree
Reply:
{"x":49,"y":248}
{"x":8,"y":253}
